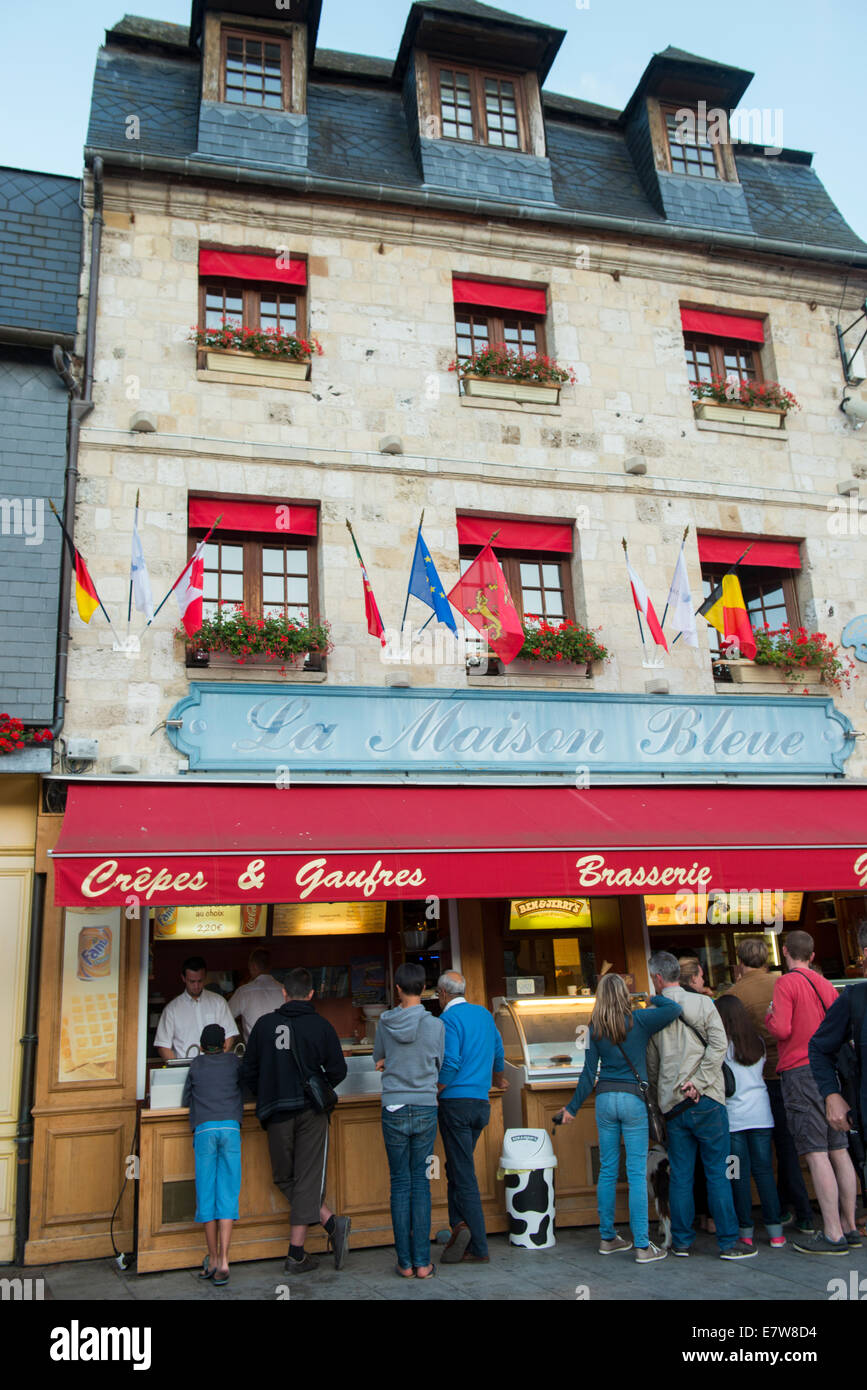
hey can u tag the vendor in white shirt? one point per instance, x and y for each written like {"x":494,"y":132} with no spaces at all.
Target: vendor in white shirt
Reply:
{"x":261,"y":995}
{"x":182,"y":1020}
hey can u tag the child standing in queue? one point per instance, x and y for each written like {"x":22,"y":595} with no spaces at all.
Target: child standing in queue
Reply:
{"x":212,"y":1090}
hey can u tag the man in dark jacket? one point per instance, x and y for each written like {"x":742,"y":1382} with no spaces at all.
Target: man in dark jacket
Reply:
{"x":284,"y":1048}
{"x":846,"y":1020}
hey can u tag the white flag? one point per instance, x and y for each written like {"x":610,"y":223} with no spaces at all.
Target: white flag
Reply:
{"x":141,"y":584}
{"x":680,"y":603}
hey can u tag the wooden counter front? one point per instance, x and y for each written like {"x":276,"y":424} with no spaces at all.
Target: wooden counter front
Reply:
{"x":358,"y":1186}
{"x":577,"y":1149}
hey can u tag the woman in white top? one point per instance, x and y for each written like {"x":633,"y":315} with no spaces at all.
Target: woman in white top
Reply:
{"x":751,"y":1123}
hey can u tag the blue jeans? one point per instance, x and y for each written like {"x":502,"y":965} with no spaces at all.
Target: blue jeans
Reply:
{"x":620,"y":1113}
{"x":410,"y":1134}
{"x":752,"y":1149}
{"x":461,"y":1122}
{"x":217,"y":1149}
{"x":704,"y":1129}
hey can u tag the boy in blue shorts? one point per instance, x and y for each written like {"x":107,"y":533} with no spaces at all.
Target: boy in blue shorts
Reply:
{"x":213,"y":1092}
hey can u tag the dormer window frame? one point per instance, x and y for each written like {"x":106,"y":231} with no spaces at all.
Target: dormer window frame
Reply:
{"x":263,"y":36}
{"x":478,"y":75}
{"x":671,"y":108}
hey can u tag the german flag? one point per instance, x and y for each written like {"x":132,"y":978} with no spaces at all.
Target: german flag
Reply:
{"x":87,"y":600}
{"x":725,"y":610}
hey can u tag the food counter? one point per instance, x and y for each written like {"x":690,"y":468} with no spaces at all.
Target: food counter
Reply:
{"x":358,"y":1183}
{"x":545,"y":1041}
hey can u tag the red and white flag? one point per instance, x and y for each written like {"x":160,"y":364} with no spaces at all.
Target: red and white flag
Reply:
{"x":189,"y":589}
{"x":644,"y":605}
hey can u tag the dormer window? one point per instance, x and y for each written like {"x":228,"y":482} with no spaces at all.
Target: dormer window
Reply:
{"x":690,"y":150}
{"x":256,"y":70}
{"x":482,"y":108}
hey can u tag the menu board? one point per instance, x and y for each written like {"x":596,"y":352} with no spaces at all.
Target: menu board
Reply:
{"x":89,"y":994}
{"x":328,"y":919}
{"x":676,"y":909}
{"x":549,"y":914}
{"x":201,"y":921}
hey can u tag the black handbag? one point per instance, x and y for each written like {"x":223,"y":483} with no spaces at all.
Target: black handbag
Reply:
{"x":655,"y":1121}
{"x":727,"y":1074}
{"x":318,"y":1090}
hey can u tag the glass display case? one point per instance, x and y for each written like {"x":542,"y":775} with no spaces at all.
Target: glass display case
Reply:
{"x":543,"y":1040}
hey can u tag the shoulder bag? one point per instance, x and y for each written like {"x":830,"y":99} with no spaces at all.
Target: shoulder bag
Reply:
{"x":728,"y":1075}
{"x":655,"y":1122}
{"x":318,"y":1091}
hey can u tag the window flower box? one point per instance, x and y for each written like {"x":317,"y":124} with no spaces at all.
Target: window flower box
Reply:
{"x":502,"y":388}
{"x":738,"y":415}
{"x":550,"y":649}
{"x":520,"y":667}
{"x":745,"y":672}
{"x":250,"y":364}
{"x":217,"y":661}
{"x":234,"y":638}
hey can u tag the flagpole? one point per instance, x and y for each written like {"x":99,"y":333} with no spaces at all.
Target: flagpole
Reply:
{"x":70,"y":542}
{"x":129,"y":604}
{"x":637,"y":614}
{"x":698,"y":611}
{"x":666,"y":610}
{"x":415,"y":552}
{"x":184,"y":570}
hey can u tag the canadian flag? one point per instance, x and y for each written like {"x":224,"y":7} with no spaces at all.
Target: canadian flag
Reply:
{"x":643,"y":604}
{"x":189,"y":588}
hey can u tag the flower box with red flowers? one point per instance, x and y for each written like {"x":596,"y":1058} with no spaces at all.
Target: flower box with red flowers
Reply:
{"x":794,"y":656}
{"x":559,"y":649}
{"x":15,"y":735}
{"x":235,"y":637}
{"x":500,"y":373}
{"x":761,"y":403}
{"x":255,"y":352}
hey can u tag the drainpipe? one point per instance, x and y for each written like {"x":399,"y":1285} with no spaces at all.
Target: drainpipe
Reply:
{"x":24,"y":1130}
{"x":80,"y":406}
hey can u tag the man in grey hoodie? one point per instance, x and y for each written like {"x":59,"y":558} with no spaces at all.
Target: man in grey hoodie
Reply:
{"x":408,"y":1050}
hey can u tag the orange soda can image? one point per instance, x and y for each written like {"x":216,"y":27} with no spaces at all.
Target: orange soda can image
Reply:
{"x":250,"y":918}
{"x":166,"y":920}
{"x":94,"y":953}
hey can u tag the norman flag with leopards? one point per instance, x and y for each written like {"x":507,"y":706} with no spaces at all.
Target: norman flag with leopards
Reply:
{"x":482,"y":596}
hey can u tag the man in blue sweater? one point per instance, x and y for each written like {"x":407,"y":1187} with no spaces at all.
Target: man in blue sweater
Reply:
{"x":473,"y":1061}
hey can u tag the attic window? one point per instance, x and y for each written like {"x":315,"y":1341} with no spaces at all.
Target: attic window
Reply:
{"x":256,"y":70}
{"x":482,"y":108}
{"x":690,"y":151}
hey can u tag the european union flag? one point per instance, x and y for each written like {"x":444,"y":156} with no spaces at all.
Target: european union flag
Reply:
{"x":424,"y":583}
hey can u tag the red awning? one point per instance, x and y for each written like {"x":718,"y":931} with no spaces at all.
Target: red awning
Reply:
{"x":237,"y":265}
{"x":712,"y":325}
{"x":261,"y":518}
{"x":495,"y":296}
{"x":235,"y":843}
{"x":553,"y":536}
{"x":725,"y":550}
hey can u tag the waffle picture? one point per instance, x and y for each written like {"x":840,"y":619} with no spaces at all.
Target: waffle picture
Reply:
{"x":88,"y":1037}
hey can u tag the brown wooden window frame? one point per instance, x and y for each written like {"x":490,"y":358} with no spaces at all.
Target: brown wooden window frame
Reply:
{"x":257,"y":36}
{"x":497,"y":320}
{"x":672,"y":110}
{"x":511,"y":561}
{"x":717,"y":349}
{"x":252,"y":293}
{"x":478,"y":106}
{"x":763,"y":576}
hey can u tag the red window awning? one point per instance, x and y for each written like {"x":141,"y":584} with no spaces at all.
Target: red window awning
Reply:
{"x":228,"y":844}
{"x":725,"y":550}
{"x":491,"y":295}
{"x":712,"y":325}
{"x":241,"y":265}
{"x":258,"y":518}
{"x":552,"y":536}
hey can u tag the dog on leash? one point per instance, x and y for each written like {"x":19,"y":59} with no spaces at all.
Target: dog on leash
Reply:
{"x":658,"y":1178}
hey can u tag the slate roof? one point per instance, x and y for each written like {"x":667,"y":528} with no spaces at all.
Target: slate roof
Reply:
{"x":358,"y":131}
{"x":471,"y":9}
{"x":40,"y":250}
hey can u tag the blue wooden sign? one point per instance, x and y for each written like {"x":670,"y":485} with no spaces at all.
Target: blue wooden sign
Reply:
{"x":228,"y":727}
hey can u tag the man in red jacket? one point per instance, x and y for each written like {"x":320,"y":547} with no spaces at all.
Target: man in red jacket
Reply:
{"x":801,"y":999}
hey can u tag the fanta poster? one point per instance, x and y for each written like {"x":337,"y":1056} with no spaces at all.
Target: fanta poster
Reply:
{"x":89,"y":1000}
{"x":193,"y":922}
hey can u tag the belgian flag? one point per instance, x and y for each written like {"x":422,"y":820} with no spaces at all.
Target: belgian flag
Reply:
{"x":725,"y":610}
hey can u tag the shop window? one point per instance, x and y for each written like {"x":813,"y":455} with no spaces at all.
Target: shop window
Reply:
{"x":256,"y":70}
{"x":482,"y":108}
{"x":690,"y":150}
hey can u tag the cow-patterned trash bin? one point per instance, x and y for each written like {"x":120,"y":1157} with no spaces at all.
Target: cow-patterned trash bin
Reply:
{"x":527,"y":1165}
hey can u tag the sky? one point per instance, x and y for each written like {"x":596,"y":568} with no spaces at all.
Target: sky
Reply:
{"x":808,"y":57}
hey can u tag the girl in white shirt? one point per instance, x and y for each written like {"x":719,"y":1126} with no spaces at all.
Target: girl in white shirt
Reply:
{"x":751,"y":1124}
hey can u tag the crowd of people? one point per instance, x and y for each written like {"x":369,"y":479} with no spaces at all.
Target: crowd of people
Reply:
{"x":720,"y":1082}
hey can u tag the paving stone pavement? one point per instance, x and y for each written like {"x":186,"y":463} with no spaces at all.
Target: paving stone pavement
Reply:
{"x":562,"y":1273}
